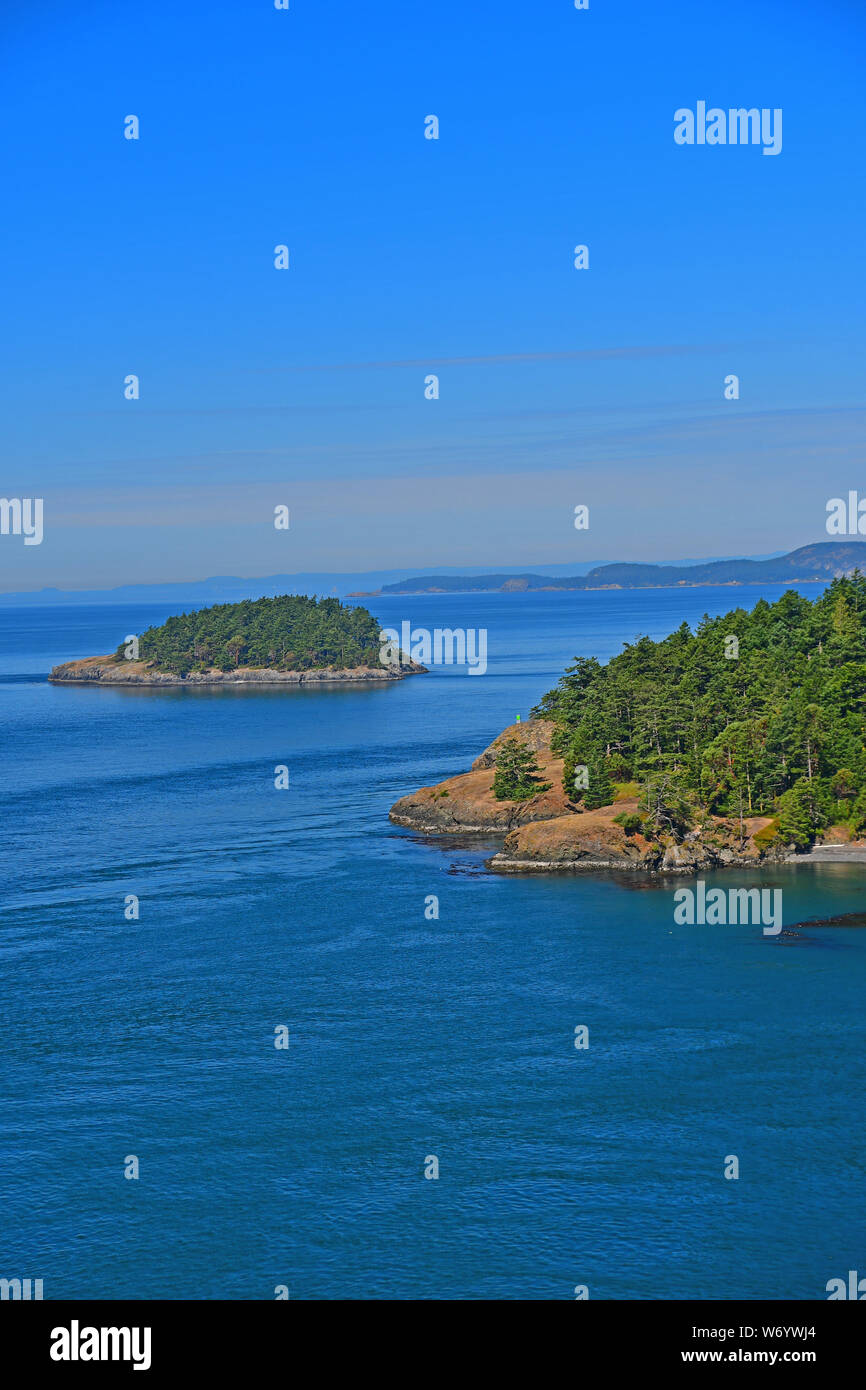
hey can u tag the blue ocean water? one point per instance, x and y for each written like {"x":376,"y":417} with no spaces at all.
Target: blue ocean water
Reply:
{"x":409,"y":1038}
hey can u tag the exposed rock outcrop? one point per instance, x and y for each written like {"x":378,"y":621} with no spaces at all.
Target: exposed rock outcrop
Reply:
{"x":593,"y":840}
{"x":465,"y":804}
{"x":551,"y":833}
{"x":535,"y":733}
{"x":109,"y":671}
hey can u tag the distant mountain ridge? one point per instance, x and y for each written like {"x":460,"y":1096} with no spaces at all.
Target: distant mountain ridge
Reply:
{"x":235,"y":588}
{"x":202,"y":593}
{"x":809,"y":564}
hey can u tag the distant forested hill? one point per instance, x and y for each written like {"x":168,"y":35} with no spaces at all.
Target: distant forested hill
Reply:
{"x":824,"y":560}
{"x":289,"y":633}
{"x":760,"y":712}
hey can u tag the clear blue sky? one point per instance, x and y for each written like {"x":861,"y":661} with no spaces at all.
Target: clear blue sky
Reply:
{"x":411,"y":256}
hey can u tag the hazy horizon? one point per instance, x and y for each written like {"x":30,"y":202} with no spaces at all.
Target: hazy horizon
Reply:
{"x":342,"y":579}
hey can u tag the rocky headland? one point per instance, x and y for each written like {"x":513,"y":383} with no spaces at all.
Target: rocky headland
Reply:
{"x":550,"y":833}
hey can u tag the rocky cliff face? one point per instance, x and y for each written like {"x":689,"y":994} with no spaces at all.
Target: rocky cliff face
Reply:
{"x":109,"y":671}
{"x":550,"y":832}
{"x":592,"y":840}
{"x":465,"y":804}
{"x":535,"y":733}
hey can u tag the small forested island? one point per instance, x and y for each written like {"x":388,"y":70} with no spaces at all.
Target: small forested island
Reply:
{"x":742,"y":741}
{"x":291,"y":639}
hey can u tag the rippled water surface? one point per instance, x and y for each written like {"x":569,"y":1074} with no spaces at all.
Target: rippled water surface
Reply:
{"x":409,"y":1037}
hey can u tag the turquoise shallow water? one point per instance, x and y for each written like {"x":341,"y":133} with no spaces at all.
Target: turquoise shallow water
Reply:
{"x":409,"y":1037}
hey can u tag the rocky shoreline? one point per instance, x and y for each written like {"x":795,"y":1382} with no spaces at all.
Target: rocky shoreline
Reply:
{"x":551,"y":834}
{"x":108,"y":670}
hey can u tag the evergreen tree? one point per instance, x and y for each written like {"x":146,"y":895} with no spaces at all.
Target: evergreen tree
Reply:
{"x":517,"y":773}
{"x":665,"y":803}
{"x":600,"y":791}
{"x":709,"y":726}
{"x":290,"y":632}
{"x":592,"y":787}
{"x":803,"y":811}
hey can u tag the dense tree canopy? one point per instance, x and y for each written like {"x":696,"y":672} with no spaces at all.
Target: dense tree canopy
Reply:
{"x":289,"y":633}
{"x":770,"y":723}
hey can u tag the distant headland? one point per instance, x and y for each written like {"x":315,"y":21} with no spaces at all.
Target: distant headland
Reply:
{"x":809,"y":564}
{"x":289,"y":640}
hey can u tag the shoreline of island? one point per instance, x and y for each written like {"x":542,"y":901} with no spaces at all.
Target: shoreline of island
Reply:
{"x":550,"y":833}
{"x":107,"y":670}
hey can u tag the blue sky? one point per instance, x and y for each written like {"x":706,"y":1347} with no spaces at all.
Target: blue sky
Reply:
{"x":409,"y":256}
